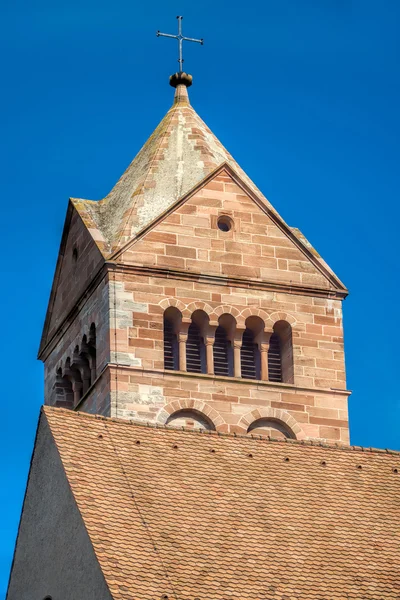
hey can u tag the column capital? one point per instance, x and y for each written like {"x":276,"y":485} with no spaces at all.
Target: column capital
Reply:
{"x":266,"y":337}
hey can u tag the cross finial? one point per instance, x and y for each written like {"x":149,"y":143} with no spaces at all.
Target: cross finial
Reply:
{"x":181,"y":38}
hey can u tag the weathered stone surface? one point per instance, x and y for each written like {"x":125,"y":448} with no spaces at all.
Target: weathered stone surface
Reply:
{"x":255,"y":268}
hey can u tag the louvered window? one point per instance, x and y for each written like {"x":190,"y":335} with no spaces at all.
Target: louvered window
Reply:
{"x":195,"y":351}
{"x":249,"y":356}
{"x":274,"y":359}
{"x":222,"y":353}
{"x":171,"y":358}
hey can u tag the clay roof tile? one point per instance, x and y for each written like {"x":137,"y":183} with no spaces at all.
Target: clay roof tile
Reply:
{"x":192,"y":523}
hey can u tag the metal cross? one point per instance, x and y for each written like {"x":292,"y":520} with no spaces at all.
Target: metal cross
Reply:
{"x":180,"y":39}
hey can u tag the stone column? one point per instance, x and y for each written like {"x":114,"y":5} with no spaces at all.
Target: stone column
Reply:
{"x":77,"y":389}
{"x":209,"y":341}
{"x":182,"y":339}
{"x":264,"y":347}
{"x":237,"y":367}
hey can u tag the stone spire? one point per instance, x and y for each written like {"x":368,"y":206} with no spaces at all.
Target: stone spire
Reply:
{"x":178,"y":155}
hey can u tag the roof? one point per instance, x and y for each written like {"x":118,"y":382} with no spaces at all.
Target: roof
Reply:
{"x":182,"y":515}
{"x":177,"y":157}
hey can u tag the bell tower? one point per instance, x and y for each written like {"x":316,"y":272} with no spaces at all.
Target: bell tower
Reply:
{"x":183,"y":298}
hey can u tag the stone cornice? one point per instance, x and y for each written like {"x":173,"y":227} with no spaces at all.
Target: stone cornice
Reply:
{"x":204,"y":376}
{"x":300,"y":290}
{"x":259,"y":384}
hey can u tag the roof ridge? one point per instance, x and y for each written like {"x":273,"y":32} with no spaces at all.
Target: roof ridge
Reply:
{"x":312,"y":443}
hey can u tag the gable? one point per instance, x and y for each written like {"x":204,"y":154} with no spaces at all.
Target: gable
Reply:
{"x":53,"y":556}
{"x":78,"y":262}
{"x":259,"y":245}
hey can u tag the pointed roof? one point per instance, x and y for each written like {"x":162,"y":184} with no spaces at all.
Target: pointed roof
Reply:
{"x":182,"y":514}
{"x":180,"y":154}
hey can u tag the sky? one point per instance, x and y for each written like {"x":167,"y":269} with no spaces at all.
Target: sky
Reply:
{"x":303,"y":93}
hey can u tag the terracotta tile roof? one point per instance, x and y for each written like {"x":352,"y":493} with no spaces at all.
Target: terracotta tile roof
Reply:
{"x":188,"y":515}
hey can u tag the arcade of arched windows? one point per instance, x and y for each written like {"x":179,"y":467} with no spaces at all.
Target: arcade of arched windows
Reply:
{"x":250,"y":352}
{"x":75,"y":377}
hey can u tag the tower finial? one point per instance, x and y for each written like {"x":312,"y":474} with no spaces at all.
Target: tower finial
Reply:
{"x":181,"y":38}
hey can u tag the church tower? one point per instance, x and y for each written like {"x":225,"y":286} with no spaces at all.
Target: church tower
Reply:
{"x":188,"y":311}
{"x":183,"y":298}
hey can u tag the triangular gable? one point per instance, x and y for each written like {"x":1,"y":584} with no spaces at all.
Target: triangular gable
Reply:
{"x":79,"y":260}
{"x":179,"y":154}
{"x":259,"y":247}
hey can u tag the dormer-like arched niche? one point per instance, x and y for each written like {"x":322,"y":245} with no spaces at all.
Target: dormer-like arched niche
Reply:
{"x":272,"y":427}
{"x":190,"y":419}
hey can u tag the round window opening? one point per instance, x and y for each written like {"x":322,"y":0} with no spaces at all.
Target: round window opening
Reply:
{"x":225,"y":223}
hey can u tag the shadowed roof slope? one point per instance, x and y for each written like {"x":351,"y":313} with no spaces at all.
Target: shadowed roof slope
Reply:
{"x":197,"y":515}
{"x":178,"y":155}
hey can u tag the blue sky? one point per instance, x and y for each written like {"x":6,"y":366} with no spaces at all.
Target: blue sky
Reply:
{"x":304,"y":94}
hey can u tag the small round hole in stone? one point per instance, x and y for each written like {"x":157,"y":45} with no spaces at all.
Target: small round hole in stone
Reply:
{"x":224,"y":223}
{"x":395,"y":470}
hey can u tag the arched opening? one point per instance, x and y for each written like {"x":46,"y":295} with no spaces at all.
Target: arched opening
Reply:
{"x":250,"y":358}
{"x":272,"y":427}
{"x":92,"y":335}
{"x":80,"y":370}
{"x":68,"y":392}
{"x":172,"y":323}
{"x":64,"y":395}
{"x":282,"y":367}
{"x":92,"y":351}
{"x":84,"y":362}
{"x":274,"y":359}
{"x":195,"y":347}
{"x":191,"y":419}
{"x":84,"y":369}
{"x":72,"y":374}
{"x":223,"y":348}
